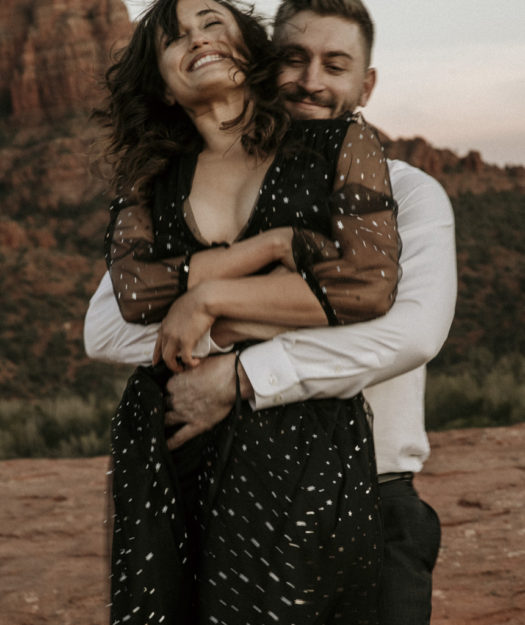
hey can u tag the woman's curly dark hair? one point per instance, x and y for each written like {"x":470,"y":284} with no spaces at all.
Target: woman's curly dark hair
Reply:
{"x":144,"y":132}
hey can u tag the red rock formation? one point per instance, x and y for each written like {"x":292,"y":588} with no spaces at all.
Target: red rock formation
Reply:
{"x":12,"y":235}
{"x":52,"y":56}
{"x":52,"y":51}
{"x":456,"y":174}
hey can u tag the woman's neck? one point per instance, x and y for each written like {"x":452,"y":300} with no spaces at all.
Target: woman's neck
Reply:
{"x":209,"y":118}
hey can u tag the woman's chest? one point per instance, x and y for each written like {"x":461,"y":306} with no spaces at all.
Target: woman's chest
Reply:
{"x":294,"y":191}
{"x":223,"y":196}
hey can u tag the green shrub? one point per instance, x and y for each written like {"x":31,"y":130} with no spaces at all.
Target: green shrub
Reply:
{"x":66,"y":426}
{"x":483,"y":393}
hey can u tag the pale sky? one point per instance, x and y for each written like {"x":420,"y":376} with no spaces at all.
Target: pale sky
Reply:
{"x":451,"y":71}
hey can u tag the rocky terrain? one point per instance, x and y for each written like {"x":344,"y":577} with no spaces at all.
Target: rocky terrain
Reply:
{"x":53,"y":541}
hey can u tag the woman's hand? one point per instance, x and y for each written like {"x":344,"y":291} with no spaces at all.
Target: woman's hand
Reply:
{"x":185,"y":323}
{"x":284,"y":237}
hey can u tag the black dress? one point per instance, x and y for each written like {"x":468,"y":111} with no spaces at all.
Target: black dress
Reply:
{"x":272,"y":516}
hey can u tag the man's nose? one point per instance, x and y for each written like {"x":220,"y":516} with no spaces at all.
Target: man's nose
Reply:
{"x":311,"y":78}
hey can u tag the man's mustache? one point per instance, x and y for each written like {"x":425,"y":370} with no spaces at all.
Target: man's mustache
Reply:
{"x":295,"y":93}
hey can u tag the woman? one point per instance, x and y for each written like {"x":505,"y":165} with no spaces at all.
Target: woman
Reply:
{"x":269,"y":517}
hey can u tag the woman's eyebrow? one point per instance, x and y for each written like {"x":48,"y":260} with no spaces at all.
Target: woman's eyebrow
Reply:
{"x":206,"y":11}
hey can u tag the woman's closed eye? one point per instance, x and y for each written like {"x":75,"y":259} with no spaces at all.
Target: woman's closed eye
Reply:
{"x":212,"y":23}
{"x":169,"y":39}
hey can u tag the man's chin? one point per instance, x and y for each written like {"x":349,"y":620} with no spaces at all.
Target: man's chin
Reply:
{"x":304,"y":110}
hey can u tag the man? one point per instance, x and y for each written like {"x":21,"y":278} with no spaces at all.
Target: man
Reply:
{"x":326,"y":47}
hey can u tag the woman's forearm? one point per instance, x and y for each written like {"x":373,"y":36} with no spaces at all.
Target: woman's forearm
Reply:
{"x":241,"y":258}
{"x":146,"y":288}
{"x":225,"y":332}
{"x":283,"y":299}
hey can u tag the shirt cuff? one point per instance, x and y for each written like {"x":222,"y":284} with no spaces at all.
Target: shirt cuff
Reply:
{"x":217,"y":349}
{"x":207,"y":346}
{"x":271,"y":375}
{"x":202,"y":349}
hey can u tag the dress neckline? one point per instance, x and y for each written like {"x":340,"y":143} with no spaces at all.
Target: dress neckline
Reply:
{"x":186,"y":211}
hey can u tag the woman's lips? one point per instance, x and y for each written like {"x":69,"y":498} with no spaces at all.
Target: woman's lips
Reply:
{"x":204,"y":59}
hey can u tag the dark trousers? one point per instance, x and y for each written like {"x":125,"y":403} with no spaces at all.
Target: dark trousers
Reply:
{"x":412,"y":536}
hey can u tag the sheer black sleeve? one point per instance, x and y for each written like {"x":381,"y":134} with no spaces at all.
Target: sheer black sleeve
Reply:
{"x":354,"y":274}
{"x":144,"y":289}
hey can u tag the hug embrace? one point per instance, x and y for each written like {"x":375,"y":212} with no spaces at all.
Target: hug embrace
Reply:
{"x":255,"y":206}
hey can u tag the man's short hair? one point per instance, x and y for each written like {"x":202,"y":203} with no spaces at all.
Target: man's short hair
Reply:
{"x":353,"y":10}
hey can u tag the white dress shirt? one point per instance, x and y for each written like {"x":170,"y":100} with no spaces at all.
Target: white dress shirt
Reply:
{"x":385,"y":356}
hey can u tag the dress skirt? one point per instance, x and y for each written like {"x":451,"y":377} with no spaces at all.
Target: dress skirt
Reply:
{"x":271,"y":517}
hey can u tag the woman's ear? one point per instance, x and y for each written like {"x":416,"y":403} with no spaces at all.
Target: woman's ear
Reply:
{"x":169,"y":98}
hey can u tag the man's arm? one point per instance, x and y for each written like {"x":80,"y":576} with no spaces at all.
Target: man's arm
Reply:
{"x":339,"y":362}
{"x":109,"y":338}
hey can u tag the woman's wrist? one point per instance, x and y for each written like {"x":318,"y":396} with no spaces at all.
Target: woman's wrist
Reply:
{"x":280,"y":240}
{"x":209,"y":297}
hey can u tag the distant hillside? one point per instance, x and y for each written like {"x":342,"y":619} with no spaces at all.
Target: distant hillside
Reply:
{"x":459,"y":175}
{"x":54,"y":213}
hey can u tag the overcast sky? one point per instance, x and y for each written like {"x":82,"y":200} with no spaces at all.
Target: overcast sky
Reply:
{"x":452,"y":71}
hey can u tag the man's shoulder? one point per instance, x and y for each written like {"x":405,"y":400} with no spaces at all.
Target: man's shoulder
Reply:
{"x":402,"y":169}
{"x":405,"y":177}
{"x":419,"y":196}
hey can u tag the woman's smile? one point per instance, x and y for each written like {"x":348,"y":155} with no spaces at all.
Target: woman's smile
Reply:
{"x":205,"y":58}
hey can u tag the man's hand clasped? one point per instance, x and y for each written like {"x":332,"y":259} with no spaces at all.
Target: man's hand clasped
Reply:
{"x":197,"y":399}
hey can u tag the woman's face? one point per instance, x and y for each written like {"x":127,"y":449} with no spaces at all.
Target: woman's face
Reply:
{"x":200,"y":63}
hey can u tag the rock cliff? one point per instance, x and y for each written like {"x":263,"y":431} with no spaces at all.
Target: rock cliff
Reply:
{"x":50,"y":53}
{"x":467,"y":174}
{"x":53,"y":54}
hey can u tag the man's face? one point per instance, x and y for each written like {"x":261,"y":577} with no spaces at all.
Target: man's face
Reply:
{"x":323,"y":70}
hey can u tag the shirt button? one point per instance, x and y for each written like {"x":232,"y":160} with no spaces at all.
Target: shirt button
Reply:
{"x":272,"y":379}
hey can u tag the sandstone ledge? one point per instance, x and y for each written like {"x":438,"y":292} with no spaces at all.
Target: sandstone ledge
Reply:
{"x":52,"y":552}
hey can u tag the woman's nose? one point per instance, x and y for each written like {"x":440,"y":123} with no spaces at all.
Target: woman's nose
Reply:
{"x":197,"y":39}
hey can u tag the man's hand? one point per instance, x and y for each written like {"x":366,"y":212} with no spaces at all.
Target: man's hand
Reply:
{"x":200,"y":398}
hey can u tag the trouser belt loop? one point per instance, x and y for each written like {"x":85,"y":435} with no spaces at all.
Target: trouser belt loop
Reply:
{"x":394,"y":477}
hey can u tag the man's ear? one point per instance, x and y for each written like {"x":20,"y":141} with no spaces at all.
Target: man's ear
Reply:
{"x":368,"y":86}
